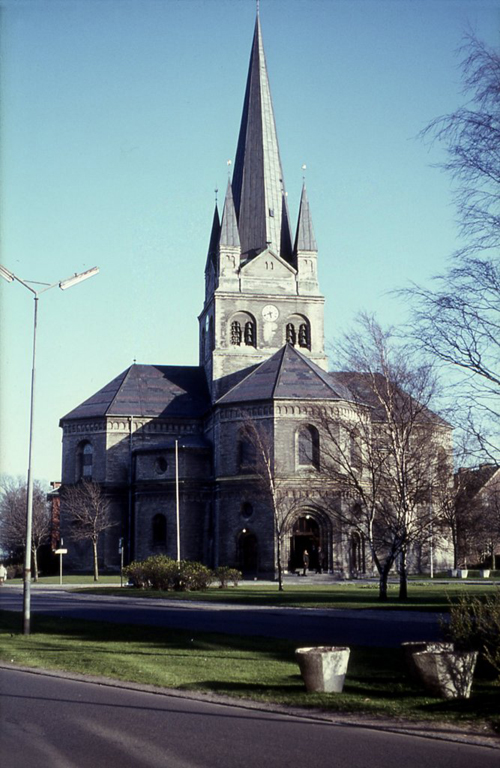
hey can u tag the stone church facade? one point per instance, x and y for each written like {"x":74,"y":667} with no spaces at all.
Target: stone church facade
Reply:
{"x":167,"y":440}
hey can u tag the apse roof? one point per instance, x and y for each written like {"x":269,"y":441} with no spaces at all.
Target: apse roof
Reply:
{"x":149,"y":390}
{"x":287,"y":375}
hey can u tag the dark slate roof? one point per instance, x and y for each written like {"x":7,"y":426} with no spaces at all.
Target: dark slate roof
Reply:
{"x":149,"y":390}
{"x":214,"y":241}
{"x":287,"y":375}
{"x":258,"y":185}
{"x":305,"y":240}
{"x":229,"y":227}
{"x":362,"y":387}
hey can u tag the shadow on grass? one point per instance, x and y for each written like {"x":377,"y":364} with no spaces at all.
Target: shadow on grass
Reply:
{"x":376,"y":682}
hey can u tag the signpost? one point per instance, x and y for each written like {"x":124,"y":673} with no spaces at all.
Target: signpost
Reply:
{"x":61,"y":552}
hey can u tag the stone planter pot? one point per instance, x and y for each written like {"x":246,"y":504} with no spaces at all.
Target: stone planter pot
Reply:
{"x":411,"y":648}
{"x":462,"y":573}
{"x":454,"y":573}
{"x":446,"y":674}
{"x":485,"y":574}
{"x":323,"y":668}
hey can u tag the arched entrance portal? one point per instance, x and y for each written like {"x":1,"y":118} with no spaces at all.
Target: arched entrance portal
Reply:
{"x":306,"y":534}
{"x":248,"y":553}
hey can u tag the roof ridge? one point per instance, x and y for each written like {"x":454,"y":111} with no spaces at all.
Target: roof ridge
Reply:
{"x":280,"y":368}
{"x":122,"y":382}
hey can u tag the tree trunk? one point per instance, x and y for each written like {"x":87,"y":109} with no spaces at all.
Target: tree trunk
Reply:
{"x":96,"y":566}
{"x":280,"y":569}
{"x":403,"y":580}
{"x":382,"y":584}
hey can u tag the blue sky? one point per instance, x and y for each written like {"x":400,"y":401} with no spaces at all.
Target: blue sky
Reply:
{"x":119,"y":117}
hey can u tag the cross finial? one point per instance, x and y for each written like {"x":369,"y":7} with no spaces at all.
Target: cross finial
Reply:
{"x":304,"y":169}
{"x":258,"y":7}
{"x":216,"y":190}
{"x":229,"y":164}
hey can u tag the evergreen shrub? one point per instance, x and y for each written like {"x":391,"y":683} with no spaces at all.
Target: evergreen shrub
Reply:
{"x":226,"y":575}
{"x":163,"y":573}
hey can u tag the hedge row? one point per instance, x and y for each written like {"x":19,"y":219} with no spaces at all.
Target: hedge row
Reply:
{"x":165,"y":574}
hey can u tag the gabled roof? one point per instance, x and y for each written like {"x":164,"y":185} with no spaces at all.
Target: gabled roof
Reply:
{"x":149,"y":390}
{"x":287,"y":375}
{"x":258,"y":185}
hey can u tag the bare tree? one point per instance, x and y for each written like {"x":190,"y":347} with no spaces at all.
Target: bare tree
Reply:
{"x":458,"y":320}
{"x":269,"y":485}
{"x":471,"y":135}
{"x":88,"y":512}
{"x":381,"y":452}
{"x":13,"y":502}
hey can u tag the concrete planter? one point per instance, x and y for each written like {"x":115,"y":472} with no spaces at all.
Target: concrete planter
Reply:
{"x":454,"y":573}
{"x":411,"y":648}
{"x":462,"y":573}
{"x":323,"y":669}
{"x":485,"y":574}
{"x":446,"y":674}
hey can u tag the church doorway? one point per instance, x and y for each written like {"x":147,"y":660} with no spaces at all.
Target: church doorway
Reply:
{"x":248,"y":554}
{"x":306,"y":535}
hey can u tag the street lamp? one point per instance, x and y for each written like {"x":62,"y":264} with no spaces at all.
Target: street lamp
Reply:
{"x":62,"y":284}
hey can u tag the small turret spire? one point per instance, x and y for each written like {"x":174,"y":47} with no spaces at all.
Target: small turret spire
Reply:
{"x":305,"y":239}
{"x":229,"y":228}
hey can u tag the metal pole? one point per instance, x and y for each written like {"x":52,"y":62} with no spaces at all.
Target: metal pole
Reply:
{"x":29,"y":499}
{"x":177,"y":515}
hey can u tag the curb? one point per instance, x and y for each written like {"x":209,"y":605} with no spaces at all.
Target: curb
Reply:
{"x":440,"y":732}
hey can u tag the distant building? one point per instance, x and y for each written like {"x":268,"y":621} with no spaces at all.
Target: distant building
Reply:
{"x":261,"y":356}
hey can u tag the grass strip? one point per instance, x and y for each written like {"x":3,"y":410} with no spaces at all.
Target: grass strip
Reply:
{"x":240,"y":667}
{"x":422,"y":597}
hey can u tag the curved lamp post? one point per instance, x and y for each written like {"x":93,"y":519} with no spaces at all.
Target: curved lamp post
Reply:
{"x":62,"y":284}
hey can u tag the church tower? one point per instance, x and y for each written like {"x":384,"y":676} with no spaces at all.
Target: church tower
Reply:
{"x":261,"y":288}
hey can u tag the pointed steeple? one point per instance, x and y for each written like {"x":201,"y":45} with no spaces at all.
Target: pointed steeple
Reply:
{"x":214,"y":241}
{"x":229,"y":227}
{"x":258,"y":186}
{"x":304,"y":239}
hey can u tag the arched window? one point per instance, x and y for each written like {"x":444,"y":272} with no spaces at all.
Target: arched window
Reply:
{"x":242,"y":330}
{"x":291,"y":336}
{"x":159,"y":530}
{"x":247,"y":454}
{"x":246,"y":510}
{"x":308,"y":447}
{"x":356,"y":451}
{"x":304,"y":336}
{"x":211,"y":334}
{"x":236,"y":333}
{"x":84,"y":460}
{"x":249,"y":334}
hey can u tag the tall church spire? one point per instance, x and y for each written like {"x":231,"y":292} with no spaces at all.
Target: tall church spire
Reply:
{"x":258,"y":186}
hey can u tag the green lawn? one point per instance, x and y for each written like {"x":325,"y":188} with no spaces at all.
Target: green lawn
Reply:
{"x":424,"y":596}
{"x":241,"y":667}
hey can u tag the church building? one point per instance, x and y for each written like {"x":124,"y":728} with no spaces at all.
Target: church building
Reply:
{"x":167,"y":443}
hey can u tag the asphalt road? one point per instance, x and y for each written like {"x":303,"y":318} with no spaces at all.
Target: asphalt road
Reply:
{"x":51,"y":721}
{"x":321,"y":627}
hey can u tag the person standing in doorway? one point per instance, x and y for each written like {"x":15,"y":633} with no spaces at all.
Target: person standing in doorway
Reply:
{"x":305,"y":561}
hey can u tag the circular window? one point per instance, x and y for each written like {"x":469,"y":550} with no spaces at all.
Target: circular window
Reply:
{"x":161,"y":465}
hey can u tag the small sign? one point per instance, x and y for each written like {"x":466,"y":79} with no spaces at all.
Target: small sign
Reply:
{"x":61,"y":552}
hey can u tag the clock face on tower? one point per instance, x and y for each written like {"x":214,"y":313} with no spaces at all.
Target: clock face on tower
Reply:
{"x":270,"y":313}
